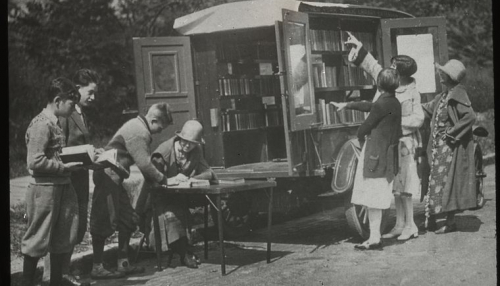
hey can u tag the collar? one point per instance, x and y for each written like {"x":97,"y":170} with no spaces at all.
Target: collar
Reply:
{"x":50,"y":115}
{"x":386,"y":94}
{"x":143,"y":119}
{"x":458,"y":93}
{"x":78,"y":109}
{"x":404,"y":88}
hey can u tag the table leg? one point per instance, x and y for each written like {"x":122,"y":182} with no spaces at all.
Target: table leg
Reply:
{"x":221,"y":235}
{"x":269,"y":222}
{"x":205,"y":227}
{"x":156,"y":225}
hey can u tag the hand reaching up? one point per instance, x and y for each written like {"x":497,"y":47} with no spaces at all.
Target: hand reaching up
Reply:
{"x":351,"y":40}
{"x":355,"y":44}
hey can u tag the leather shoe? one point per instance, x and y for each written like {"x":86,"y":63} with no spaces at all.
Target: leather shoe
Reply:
{"x":408,"y":233}
{"x":366,"y":246}
{"x":446,"y":229}
{"x":71,"y":280}
{"x":431,"y":225}
{"x":396,"y":231}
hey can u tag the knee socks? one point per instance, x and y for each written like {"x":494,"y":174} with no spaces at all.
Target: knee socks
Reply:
{"x":29,"y":269}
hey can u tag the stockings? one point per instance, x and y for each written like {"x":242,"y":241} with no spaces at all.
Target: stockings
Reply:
{"x":408,"y":209}
{"x":375,"y":219}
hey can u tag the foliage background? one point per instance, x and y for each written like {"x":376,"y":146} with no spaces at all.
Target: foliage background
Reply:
{"x":50,"y":38}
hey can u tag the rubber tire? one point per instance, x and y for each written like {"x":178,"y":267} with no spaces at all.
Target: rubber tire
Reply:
{"x":238,"y":224}
{"x":478,"y":165}
{"x":354,"y":222}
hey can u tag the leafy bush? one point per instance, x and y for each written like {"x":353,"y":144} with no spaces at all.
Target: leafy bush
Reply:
{"x":479,"y":83}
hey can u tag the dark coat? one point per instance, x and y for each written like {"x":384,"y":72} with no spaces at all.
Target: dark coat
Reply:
{"x":172,"y":210}
{"x":77,"y":133}
{"x":383,"y":130}
{"x":459,"y":192}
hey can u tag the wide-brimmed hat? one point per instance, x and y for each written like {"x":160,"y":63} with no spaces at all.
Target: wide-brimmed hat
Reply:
{"x":192,"y":132}
{"x":455,"y":69}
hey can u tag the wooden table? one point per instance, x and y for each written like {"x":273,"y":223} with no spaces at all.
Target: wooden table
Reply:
{"x":217,"y":191}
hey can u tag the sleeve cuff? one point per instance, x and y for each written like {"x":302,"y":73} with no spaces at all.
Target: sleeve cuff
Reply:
{"x":361,"y":56}
{"x":61,"y":169}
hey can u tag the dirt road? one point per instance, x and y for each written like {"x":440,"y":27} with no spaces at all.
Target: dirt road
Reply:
{"x":318,"y":250}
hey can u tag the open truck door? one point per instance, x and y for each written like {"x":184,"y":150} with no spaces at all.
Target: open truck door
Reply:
{"x":164,"y":73}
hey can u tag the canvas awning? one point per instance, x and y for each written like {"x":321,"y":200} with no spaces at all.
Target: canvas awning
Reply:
{"x":264,"y":13}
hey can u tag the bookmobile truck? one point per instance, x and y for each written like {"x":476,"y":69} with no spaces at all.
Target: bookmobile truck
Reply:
{"x":259,"y":74}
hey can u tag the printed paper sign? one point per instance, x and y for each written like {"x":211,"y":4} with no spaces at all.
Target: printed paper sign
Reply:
{"x":420,"y":48}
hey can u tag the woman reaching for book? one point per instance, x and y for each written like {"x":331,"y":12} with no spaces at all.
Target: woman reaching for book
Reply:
{"x":407,"y":182}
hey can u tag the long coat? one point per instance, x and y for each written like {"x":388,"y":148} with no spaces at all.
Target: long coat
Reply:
{"x":77,"y":133}
{"x":172,"y":210}
{"x":459,"y":192}
{"x":383,"y":130}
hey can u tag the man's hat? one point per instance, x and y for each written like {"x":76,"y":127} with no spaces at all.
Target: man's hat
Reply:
{"x":455,"y":69}
{"x":191,"y":131}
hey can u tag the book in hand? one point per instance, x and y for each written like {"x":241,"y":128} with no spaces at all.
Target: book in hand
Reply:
{"x":192,"y":182}
{"x":231,"y":181}
{"x":87,"y":155}
{"x":80,"y":153}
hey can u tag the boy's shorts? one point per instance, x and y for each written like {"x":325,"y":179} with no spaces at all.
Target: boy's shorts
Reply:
{"x":111,"y":208}
{"x":52,"y":212}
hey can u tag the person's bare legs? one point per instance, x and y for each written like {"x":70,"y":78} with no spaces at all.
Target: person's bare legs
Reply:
{"x":410,"y":229}
{"x":400,"y":218}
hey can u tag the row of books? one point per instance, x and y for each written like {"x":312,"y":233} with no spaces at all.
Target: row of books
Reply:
{"x":355,"y":76}
{"x":329,"y":115}
{"x":325,"y":76}
{"x":333,"y":40}
{"x":248,"y":86}
{"x":328,"y":76}
{"x":246,"y":51}
{"x":232,"y":121}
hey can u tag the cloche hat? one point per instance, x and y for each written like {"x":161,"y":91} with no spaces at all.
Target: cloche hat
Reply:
{"x":455,"y":69}
{"x":191,"y":131}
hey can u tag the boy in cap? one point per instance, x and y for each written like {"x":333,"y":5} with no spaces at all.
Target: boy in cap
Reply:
{"x":111,"y":208}
{"x":76,"y":132}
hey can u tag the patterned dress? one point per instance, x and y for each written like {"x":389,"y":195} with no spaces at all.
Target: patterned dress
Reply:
{"x":442,"y":156}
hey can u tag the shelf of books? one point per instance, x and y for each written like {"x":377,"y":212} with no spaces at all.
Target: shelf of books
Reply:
{"x":239,"y":120}
{"x":329,"y":115}
{"x":330,"y":67}
{"x":333,"y":40}
{"x":245,"y":86}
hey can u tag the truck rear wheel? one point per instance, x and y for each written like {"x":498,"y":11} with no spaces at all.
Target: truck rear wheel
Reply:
{"x":478,"y":164}
{"x":357,"y":218}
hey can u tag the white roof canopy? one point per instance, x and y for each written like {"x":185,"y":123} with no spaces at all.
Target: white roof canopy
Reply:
{"x":259,"y":13}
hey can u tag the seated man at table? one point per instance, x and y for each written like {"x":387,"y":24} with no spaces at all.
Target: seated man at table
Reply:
{"x":179,"y":158}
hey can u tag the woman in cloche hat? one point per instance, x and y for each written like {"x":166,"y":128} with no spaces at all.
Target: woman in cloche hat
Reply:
{"x":180,"y":158}
{"x":450,"y":151}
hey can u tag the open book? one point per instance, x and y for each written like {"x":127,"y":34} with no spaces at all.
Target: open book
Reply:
{"x":87,"y":155}
{"x":188,"y":184}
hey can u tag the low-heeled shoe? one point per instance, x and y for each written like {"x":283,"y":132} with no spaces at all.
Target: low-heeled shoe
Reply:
{"x":446,"y":229}
{"x":375,"y":246}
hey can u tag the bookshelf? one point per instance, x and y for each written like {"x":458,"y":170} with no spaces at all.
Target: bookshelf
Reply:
{"x":248,"y":93}
{"x":334,"y":77}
